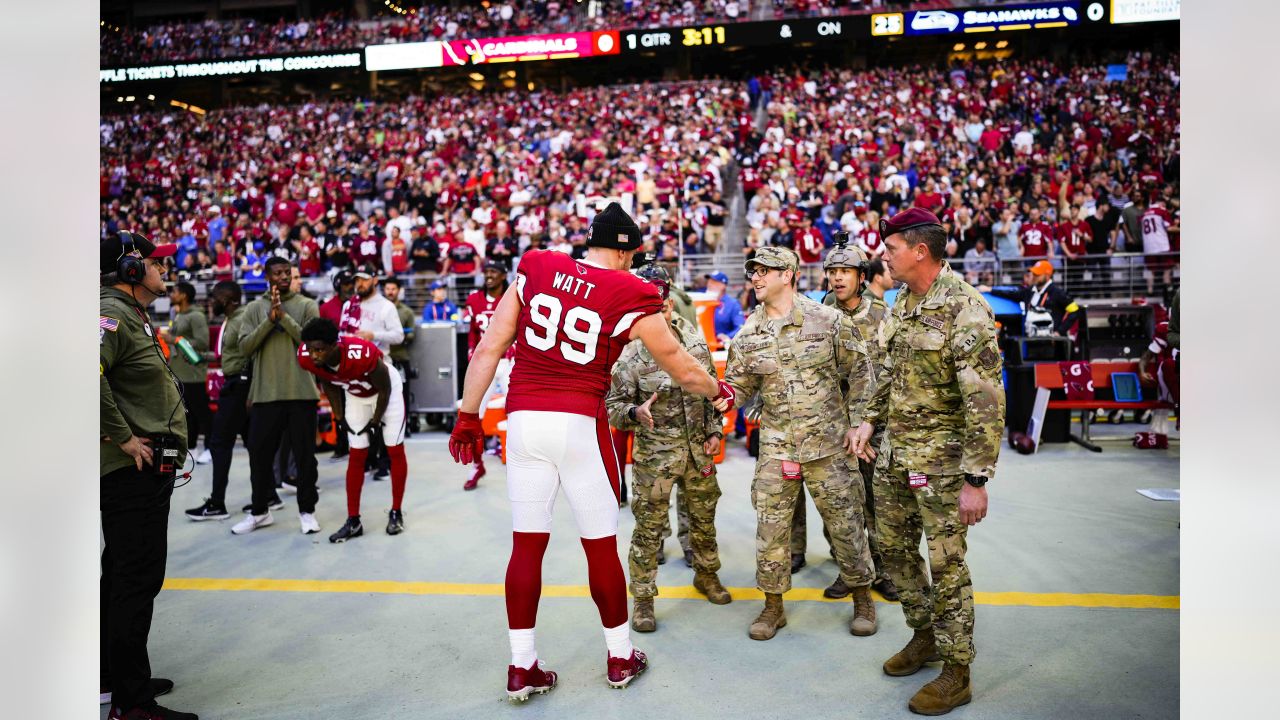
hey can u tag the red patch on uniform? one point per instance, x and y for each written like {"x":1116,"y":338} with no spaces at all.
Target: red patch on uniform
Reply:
{"x":917,"y":480}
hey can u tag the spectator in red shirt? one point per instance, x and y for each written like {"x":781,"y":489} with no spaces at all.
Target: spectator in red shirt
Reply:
{"x":366,"y":247}
{"x":308,"y":252}
{"x":1073,"y":237}
{"x":1035,"y":239}
{"x":286,"y":211}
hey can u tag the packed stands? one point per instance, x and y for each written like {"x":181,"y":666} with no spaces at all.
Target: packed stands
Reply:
{"x":209,"y":39}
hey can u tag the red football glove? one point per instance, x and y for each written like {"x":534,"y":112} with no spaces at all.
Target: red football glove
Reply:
{"x":466,"y":442}
{"x":726,"y":392}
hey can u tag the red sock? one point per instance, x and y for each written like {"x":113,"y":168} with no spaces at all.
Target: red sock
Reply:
{"x":608,"y":584}
{"x":524,"y":578}
{"x":399,"y":472}
{"x":355,"y":479}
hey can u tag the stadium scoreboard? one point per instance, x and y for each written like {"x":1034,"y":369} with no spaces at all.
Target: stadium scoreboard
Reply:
{"x":742,"y":34}
{"x":670,"y":41}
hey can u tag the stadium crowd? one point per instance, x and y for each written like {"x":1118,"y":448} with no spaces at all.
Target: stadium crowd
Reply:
{"x":439,"y":21}
{"x":1020,"y":158}
{"x":418,"y":185}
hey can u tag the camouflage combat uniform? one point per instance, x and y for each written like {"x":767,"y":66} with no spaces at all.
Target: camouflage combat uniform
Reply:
{"x":796,"y":363}
{"x":669,"y":454}
{"x":866,"y":330}
{"x":942,"y":406}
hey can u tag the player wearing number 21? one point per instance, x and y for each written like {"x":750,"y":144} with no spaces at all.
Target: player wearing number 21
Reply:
{"x":572,"y":319}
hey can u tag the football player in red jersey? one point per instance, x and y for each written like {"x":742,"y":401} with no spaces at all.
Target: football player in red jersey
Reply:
{"x":1164,"y":358}
{"x":371,"y":400}
{"x":481,"y":305}
{"x":572,"y":319}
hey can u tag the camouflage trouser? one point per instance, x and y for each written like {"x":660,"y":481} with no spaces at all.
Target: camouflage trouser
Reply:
{"x":800,"y":527}
{"x":839,"y":501}
{"x":902,"y":514}
{"x":682,"y":521}
{"x":651,"y":506}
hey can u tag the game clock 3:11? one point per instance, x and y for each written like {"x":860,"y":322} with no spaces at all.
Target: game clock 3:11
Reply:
{"x":702,"y":36}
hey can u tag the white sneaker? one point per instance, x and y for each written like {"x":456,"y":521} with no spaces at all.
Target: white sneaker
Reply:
{"x":252,"y":522}
{"x":310,"y":525}
{"x":204,"y":458}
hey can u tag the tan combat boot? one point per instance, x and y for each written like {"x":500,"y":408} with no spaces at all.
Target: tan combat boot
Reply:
{"x":864,"y":613}
{"x":911,"y":658}
{"x":944,"y":693}
{"x":642,"y":619}
{"x":709,"y":584}
{"x":771,"y":618}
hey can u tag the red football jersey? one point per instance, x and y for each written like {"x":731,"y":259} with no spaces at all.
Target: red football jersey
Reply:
{"x":480,"y":310}
{"x":1074,"y":236}
{"x":575,"y":319}
{"x":357,"y":359}
{"x":1036,"y":237}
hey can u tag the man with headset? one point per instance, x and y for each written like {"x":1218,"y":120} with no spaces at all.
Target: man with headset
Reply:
{"x":143,"y":445}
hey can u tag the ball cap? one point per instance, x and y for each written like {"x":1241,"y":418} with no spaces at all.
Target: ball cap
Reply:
{"x":779,"y":258}
{"x":366,"y":270}
{"x":906,"y":220}
{"x":1042,"y":267}
{"x":718,"y":277}
{"x":613,"y":228}
{"x":437,"y":285}
{"x":111,"y":248}
{"x":494,"y":265}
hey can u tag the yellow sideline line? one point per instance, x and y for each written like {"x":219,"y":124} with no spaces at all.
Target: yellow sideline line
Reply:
{"x":395,"y":587}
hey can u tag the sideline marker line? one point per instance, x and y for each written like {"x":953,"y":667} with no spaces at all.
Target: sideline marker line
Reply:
{"x":685,"y":592}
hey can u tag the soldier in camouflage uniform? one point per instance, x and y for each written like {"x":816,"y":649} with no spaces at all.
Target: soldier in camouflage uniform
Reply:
{"x":845,"y":266}
{"x":677,"y":438}
{"x":795,"y":352}
{"x":942,"y":406}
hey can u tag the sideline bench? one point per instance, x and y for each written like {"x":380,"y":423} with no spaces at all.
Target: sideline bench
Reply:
{"x":1049,"y":378}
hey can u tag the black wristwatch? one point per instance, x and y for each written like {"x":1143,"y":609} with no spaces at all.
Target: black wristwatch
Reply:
{"x":631,"y":413}
{"x":976,"y":480}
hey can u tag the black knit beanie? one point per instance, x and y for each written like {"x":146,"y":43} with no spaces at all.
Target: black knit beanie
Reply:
{"x":613,"y":228}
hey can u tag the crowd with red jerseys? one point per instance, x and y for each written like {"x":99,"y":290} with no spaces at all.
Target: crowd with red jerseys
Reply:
{"x":420,"y":185}
{"x":1019,"y":158}
{"x":169,"y":42}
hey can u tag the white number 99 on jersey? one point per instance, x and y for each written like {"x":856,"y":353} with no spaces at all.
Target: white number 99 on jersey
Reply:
{"x":580,"y":327}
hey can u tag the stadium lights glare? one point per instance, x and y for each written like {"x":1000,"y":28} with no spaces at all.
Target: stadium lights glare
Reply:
{"x":129,"y":99}
{"x":120,"y":99}
{"x":980,"y":46}
{"x":958,"y":47}
{"x":151,"y":97}
{"x":477,"y":77}
{"x":1002,"y":44}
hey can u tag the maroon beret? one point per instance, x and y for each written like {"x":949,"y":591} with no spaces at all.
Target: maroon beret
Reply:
{"x":907,"y":219}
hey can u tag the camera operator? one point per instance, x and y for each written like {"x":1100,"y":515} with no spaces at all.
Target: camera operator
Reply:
{"x":144,"y":442}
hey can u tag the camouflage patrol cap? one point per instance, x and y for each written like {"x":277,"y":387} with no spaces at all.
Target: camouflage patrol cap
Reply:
{"x":774,"y":257}
{"x":846,"y":256}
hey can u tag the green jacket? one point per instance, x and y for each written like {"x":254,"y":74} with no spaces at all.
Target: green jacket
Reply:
{"x":797,"y":364}
{"x":408,"y":321}
{"x":233,"y":360}
{"x":942,"y":402}
{"x":273,"y":348}
{"x":192,"y":325}
{"x":137,"y":396}
{"x":681,"y":421}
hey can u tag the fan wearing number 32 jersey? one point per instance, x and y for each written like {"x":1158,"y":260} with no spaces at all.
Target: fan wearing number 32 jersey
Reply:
{"x":571,"y":320}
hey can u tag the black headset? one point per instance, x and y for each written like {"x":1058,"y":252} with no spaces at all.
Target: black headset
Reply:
{"x":129,"y":267}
